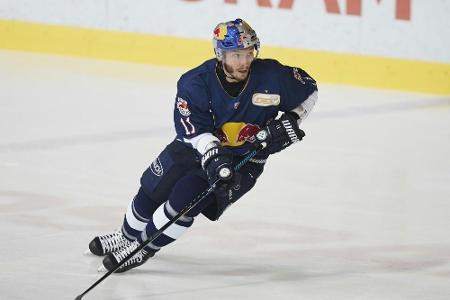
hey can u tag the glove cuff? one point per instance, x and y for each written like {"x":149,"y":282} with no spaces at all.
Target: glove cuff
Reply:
{"x":291,"y":132}
{"x":208,"y":156}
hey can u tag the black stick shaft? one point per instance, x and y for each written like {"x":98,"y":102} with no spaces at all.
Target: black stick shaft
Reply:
{"x":154,"y":236}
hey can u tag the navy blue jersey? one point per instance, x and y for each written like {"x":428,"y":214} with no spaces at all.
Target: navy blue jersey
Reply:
{"x":202,"y":105}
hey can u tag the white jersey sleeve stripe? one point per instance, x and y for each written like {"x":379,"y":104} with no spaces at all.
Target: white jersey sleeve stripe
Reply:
{"x":202,"y":141}
{"x":305,"y":108}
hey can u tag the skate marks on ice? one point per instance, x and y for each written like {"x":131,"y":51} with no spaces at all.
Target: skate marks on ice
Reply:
{"x":383,"y":108}
{"x":34,"y":209}
{"x":291,"y":264}
{"x":12,"y":202}
{"x":78,"y":140}
{"x":187,"y":276}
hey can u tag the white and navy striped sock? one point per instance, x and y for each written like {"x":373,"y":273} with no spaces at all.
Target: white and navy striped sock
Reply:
{"x":160,"y":217}
{"x":133,"y":223}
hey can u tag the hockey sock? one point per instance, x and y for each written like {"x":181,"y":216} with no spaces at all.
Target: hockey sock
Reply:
{"x":184,"y":191}
{"x":138,"y":215}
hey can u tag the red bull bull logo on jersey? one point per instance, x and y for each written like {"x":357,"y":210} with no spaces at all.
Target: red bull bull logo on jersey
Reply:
{"x":237,"y":133}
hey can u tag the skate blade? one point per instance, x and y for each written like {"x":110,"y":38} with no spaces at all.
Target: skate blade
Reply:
{"x":88,"y":253}
{"x":102,"y":269}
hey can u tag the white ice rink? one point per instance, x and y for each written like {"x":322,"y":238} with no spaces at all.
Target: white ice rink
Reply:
{"x":360,"y":209}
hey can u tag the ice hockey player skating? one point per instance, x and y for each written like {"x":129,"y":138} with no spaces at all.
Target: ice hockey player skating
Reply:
{"x":219,"y":108}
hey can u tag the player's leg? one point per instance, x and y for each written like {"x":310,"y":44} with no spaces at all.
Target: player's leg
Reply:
{"x":249,"y":174}
{"x":157,"y":183}
{"x":138,"y":213}
{"x":184,"y":191}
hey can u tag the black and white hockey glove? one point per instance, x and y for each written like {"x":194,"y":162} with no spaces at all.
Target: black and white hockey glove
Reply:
{"x":280,"y":133}
{"x":217,"y":162}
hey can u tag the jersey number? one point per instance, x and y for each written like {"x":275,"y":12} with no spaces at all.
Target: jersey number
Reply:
{"x":188,"y":127}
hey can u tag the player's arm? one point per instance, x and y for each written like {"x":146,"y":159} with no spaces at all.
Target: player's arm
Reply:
{"x":298,"y":96}
{"x":301,"y":92}
{"x":194,"y":123}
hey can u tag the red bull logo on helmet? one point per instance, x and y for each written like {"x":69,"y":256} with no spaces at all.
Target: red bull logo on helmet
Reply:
{"x":220,"y":31}
{"x":237,"y":133}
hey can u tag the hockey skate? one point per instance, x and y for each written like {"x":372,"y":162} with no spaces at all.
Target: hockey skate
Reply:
{"x":112,"y":259}
{"x":108,"y":243}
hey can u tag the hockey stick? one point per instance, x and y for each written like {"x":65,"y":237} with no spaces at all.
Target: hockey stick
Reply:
{"x":185,"y":210}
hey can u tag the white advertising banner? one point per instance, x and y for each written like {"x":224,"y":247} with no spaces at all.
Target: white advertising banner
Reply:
{"x":406,"y":29}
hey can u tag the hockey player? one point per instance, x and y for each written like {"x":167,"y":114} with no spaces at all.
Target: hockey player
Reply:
{"x":219,"y":108}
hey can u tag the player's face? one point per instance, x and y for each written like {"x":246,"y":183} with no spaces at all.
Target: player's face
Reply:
{"x":237,"y":63}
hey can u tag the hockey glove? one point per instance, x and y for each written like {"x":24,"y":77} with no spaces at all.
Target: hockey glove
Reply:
{"x":281,"y":133}
{"x":217,"y":162}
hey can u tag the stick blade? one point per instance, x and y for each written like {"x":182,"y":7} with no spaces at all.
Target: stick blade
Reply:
{"x":79,"y":297}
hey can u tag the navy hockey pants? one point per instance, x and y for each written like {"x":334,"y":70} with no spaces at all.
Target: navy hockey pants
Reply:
{"x":177,"y":172}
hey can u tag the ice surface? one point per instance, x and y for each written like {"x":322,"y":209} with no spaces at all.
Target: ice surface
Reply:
{"x":358,"y":210}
